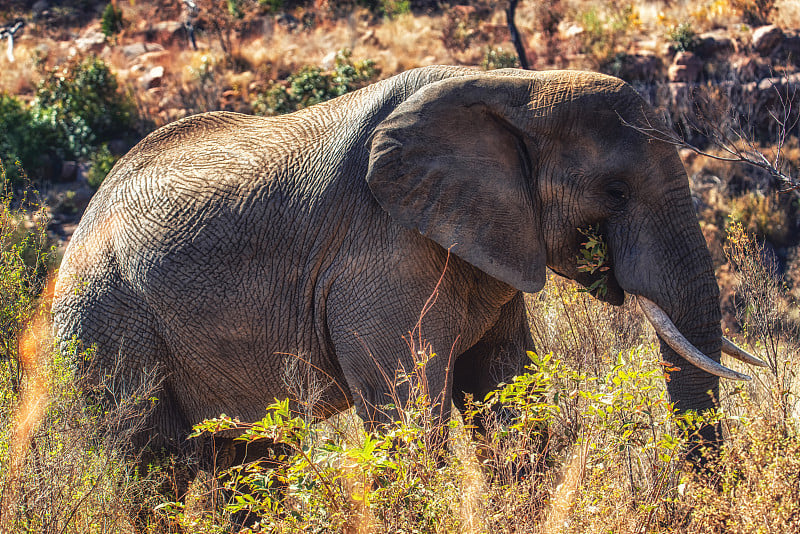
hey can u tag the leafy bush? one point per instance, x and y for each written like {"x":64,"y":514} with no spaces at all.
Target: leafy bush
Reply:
{"x":396,"y":479}
{"x":25,"y":261}
{"x":312,"y":85}
{"x":607,"y":33}
{"x":682,"y":37}
{"x":64,"y":466}
{"x":22,"y":139}
{"x":497,"y":58}
{"x":111,"y":21}
{"x":395,"y":8}
{"x":82,"y":103}
{"x":100,"y":164}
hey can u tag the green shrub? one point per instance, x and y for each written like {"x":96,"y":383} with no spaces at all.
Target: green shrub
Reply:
{"x":333,"y":479}
{"x":682,"y":37}
{"x":64,"y":465}
{"x":607,"y":33}
{"x":311,"y":85}
{"x":22,"y":139}
{"x":395,"y":8}
{"x":100,"y":164}
{"x":497,"y":58}
{"x":111,"y":20}
{"x":26,"y":258}
{"x":234,"y":9}
{"x":83,"y":104}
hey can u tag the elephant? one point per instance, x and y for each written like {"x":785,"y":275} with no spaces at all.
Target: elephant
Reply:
{"x":225,"y":245}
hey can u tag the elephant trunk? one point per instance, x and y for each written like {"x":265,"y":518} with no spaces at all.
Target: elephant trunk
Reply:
{"x":668,"y":267}
{"x":691,"y":387}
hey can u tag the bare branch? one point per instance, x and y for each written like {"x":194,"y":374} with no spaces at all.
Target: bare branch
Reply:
{"x":730,"y":139}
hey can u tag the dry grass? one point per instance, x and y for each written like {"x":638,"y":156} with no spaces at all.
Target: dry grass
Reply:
{"x":604,"y":455}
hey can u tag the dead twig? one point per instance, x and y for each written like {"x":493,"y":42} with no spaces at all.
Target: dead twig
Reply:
{"x":731,"y":140}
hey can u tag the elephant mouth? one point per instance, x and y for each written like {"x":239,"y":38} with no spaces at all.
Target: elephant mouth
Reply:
{"x":601,"y":285}
{"x":606,"y":288}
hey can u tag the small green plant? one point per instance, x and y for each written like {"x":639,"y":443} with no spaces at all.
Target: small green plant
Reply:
{"x":100,"y":164}
{"x":311,"y":85}
{"x":25,"y":260}
{"x":272,"y":6}
{"x":82,"y":104}
{"x":682,"y":37}
{"x":111,"y":21}
{"x":23,"y":139}
{"x":607,"y":33}
{"x":497,"y":58}
{"x":397,"y":478}
{"x":234,"y":8}
{"x":395,"y":8}
{"x":593,"y":259}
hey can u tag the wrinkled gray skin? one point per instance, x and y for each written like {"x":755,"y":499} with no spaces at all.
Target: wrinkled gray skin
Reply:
{"x":224,"y":245}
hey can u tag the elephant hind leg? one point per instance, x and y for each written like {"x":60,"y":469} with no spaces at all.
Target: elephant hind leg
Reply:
{"x":122,"y":356}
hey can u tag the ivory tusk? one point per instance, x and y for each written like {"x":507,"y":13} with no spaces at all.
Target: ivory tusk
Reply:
{"x":672,"y":336}
{"x":728,"y":347}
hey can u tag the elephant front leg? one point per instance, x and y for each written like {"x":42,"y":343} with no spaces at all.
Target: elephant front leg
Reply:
{"x":496,"y":358}
{"x":388,"y":390}
{"x":392,"y":383}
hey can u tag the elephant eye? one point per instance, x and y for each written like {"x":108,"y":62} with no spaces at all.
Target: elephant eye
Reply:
{"x":617,"y":193}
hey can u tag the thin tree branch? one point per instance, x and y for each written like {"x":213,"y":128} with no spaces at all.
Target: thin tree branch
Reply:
{"x":731,"y":140}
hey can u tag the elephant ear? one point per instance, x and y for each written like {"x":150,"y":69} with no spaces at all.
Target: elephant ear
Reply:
{"x":452,"y":162}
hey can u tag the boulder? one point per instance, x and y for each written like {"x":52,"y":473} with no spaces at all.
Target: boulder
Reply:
{"x":69,"y":171}
{"x":748,"y":68}
{"x":686,"y":67}
{"x":154,"y":58}
{"x":92,"y":41}
{"x":329,"y":61}
{"x":715,"y":43}
{"x":790,"y":48}
{"x":40,"y":7}
{"x":640,"y":67}
{"x":166,"y":32}
{"x":766,"y":39}
{"x":134,"y":50}
{"x":153,"y":77}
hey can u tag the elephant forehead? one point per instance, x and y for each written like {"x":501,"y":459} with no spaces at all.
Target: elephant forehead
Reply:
{"x":572,"y":94}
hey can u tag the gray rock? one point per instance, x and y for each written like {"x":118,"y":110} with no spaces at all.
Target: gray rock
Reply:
{"x":167,"y":32}
{"x":153,"y":77}
{"x":766,"y":39}
{"x":640,"y":67}
{"x":134,"y":50}
{"x":686,"y":67}
{"x":91,"y":42}
{"x":69,"y":171}
{"x":40,"y":7}
{"x":715,"y":43}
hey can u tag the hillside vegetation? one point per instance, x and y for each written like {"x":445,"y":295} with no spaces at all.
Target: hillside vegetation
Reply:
{"x":595,"y":438}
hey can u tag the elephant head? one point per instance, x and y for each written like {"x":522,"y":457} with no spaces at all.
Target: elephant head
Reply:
{"x":506,"y":170}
